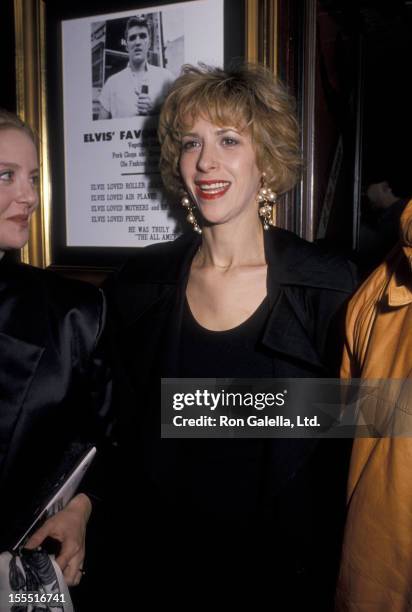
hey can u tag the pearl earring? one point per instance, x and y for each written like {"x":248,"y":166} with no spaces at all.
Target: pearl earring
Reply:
{"x":266,"y":199}
{"x":186,"y":203}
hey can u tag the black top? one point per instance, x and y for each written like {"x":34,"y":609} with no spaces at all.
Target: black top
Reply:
{"x":233,"y":353}
{"x":188,"y":509}
{"x":225,"y":468}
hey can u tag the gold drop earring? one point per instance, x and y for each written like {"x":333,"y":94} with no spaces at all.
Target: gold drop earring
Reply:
{"x":186,"y":203}
{"x":266,"y":199}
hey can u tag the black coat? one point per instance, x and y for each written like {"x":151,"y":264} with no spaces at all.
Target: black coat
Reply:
{"x":307,"y":290}
{"x":54,"y":383}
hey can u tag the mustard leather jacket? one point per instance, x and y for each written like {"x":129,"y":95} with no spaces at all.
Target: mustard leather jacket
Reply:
{"x":376,"y":566}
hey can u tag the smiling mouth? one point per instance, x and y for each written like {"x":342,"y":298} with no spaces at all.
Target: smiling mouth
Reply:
{"x":210,"y":190}
{"x":21,"y":219}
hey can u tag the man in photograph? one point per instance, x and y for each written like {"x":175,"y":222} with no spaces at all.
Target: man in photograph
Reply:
{"x":139,"y":88}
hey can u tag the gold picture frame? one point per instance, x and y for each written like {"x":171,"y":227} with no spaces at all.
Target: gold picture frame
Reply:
{"x":31,"y":107}
{"x":261,"y":23}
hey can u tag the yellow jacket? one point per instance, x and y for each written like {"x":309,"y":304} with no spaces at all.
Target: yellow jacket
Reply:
{"x":376,"y":566}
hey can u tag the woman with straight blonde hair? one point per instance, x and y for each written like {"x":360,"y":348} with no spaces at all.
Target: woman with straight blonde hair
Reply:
{"x":54,"y":387}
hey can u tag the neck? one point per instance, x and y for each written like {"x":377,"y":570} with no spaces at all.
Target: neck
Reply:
{"x":227,"y":246}
{"x":140,"y":67}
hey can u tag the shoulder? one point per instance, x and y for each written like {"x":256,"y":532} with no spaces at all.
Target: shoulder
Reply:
{"x":161,"y":73}
{"x":160,"y":76}
{"x":60,"y":294}
{"x":305,"y":263}
{"x":373,"y":287}
{"x":48,"y":310}
{"x":115,"y":78}
{"x":364,"y":304}
{"x":154,"y":272}
{"x":159,"y":263}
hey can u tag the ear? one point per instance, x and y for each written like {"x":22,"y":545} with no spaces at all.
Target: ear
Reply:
{"x":266,"y":176}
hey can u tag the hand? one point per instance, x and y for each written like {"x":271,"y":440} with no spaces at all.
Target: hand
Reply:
{"x":144,"y":104}
{"x":69,"y":528}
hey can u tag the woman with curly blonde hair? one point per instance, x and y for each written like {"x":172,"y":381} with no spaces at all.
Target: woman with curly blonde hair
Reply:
{"x":235,"y":298}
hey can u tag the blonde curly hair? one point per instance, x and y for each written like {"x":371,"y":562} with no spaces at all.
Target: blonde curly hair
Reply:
{"x":248,"y":96}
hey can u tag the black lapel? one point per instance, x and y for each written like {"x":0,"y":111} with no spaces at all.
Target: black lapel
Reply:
{"x":22,"y":333}
{"x":150,"y":278}
{"x":297,"y":262}
{"x":23,"y":305}
{"x":149,"y":300}
{"x":286,"y":333}
{"x":170,"y":362}
{"x":295,"y":265}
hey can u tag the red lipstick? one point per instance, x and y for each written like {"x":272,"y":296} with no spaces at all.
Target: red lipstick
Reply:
{"x":211,"y":189}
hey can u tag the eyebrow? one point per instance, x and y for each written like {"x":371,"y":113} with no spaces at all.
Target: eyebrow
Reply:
{"x":138,"y":35}
{"x":13,"y":165}
{"x":218,"y":132}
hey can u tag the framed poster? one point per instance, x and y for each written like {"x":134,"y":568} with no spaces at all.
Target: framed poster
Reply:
{"x":101,"y":191}
{"x":116,"y":71}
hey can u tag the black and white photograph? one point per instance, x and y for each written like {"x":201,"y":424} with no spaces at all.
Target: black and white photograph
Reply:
{"x":116,"y":70}
{"x":134,"y":62}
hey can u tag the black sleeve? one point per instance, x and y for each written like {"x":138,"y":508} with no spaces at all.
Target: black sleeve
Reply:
{"x":99,"y":391}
